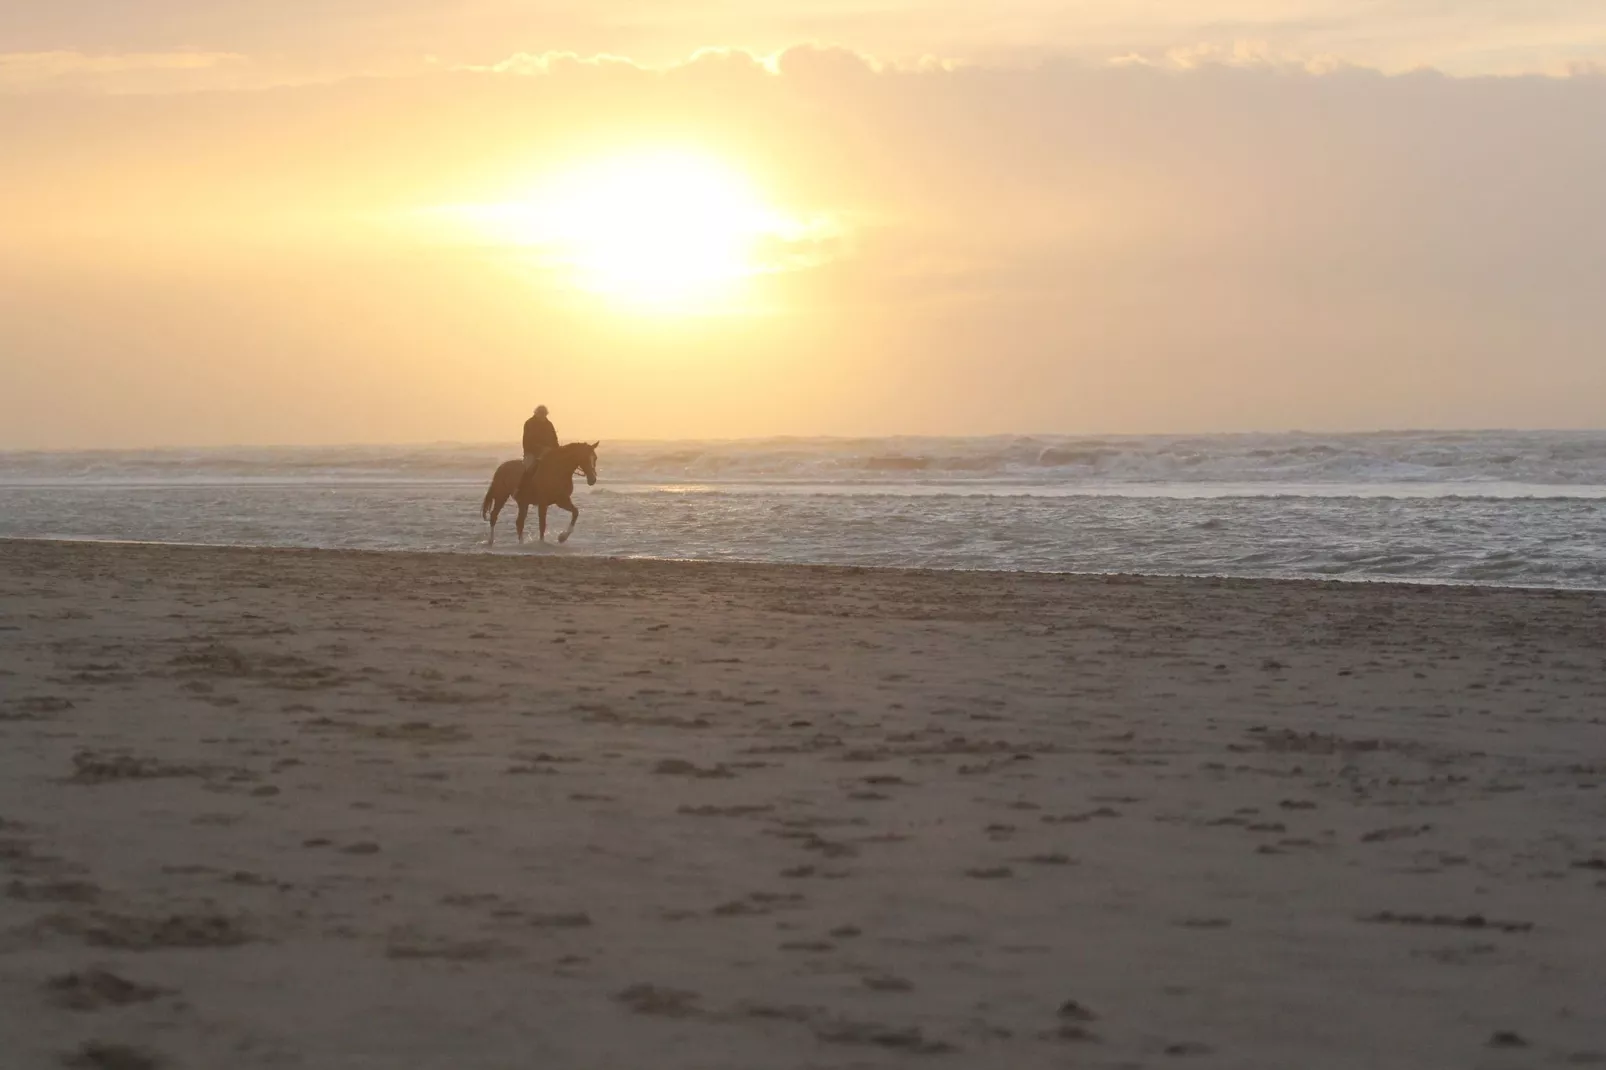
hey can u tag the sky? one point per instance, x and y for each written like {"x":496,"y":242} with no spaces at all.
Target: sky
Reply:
{"x":411,"y":220}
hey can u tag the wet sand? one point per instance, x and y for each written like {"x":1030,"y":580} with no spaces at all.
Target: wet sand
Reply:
{"x":331,"y":810}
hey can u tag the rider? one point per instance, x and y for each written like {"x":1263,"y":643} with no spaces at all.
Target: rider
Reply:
{"x":539,"y":436}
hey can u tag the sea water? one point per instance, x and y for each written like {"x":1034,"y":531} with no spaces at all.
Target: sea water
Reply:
{"x":1508,"y":508}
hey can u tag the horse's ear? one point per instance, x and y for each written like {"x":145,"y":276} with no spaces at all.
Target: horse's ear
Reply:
{"x":595,"y":444}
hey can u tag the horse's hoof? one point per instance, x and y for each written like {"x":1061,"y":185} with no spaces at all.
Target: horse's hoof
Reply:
{"x":563,"y":538}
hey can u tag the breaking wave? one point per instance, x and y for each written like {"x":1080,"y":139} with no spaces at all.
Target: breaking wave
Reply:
{"x":1542,"y":458}
{"x":1504,"y":508}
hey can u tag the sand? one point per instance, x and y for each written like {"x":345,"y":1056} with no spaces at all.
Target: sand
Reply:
{"x":331,"y":810}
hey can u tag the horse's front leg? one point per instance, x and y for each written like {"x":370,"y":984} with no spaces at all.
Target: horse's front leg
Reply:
{"x":524,"y":511}
{"x":574,"y":518}
{"x":541,"y":513}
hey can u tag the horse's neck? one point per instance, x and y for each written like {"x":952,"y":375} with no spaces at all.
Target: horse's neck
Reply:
{"x":557,"y":466}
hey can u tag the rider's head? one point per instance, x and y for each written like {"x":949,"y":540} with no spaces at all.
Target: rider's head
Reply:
{"x":540,"y":410}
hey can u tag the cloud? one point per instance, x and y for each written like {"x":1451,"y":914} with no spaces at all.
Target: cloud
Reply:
{"x":1247,"y":240}
{"x":1242,"y":53}
{"x":528,"y":64}
{"x":1580,"y":68}
{"x":129,"y":71}
{"x":794,"y":60}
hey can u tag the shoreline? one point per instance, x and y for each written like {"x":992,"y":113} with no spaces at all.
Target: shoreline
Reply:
{"x":554,"y":553}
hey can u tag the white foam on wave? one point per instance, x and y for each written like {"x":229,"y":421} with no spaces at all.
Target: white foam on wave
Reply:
{"x":1518,"y":458}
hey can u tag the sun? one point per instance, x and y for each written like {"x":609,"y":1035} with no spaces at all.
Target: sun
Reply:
{"x":664,"y":230}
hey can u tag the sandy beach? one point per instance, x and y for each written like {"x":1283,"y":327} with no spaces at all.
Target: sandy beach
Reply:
{"x":342,"y":810}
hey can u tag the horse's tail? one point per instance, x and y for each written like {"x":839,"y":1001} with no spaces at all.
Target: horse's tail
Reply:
{"x":490,"y":497}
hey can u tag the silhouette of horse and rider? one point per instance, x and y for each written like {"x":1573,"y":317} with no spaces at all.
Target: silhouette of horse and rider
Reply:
{"x":543,"y":478}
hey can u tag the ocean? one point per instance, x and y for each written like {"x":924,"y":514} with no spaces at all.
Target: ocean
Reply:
{"x":1496,"y":508}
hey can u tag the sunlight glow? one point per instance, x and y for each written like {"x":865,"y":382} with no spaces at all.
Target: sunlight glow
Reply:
{"x":669,"y":231}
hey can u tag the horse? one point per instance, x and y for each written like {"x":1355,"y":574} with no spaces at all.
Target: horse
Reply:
{"x":551,"y":483}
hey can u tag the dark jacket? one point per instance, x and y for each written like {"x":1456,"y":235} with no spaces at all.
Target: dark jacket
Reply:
{"x":539,"y":434}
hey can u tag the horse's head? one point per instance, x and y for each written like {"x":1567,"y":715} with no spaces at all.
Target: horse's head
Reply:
{"x":588,"y":461}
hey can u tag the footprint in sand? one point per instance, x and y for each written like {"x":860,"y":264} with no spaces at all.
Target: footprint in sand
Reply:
{"x":1187,"y":1048}
{"x":95,"y":989}
{"x":658,"y":1001}
{"x":1050,"y":859}
{"x":886,"y":982}
{"x":678,"y":767}
{"x":725,"y":811}
{"x":813,"y":841}
{"x":1396,"y":832}
{"x":90,"y":767}
{"x":758,"y":903}
{"x":132,"y":933}
{"x":873,"y":1034}
{"x":63,"y":891}
{"x":97,"y":1055}
{"x":35,"y":708}
{"x":1451,"y":921}
{"x":1077,"y":819}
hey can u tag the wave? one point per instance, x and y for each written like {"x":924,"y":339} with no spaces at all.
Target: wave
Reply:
{"x":1531,"y":458}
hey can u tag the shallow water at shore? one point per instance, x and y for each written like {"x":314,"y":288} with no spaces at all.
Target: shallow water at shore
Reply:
{"x":1462,"y":508}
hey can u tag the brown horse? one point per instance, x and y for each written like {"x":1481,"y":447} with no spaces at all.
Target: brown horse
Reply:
{"x":551,"y":483}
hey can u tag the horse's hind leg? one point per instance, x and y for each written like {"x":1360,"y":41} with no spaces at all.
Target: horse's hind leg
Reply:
{"x":541,"y":512}
{"x":574,"y":518}
{"x":524,"y":511}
